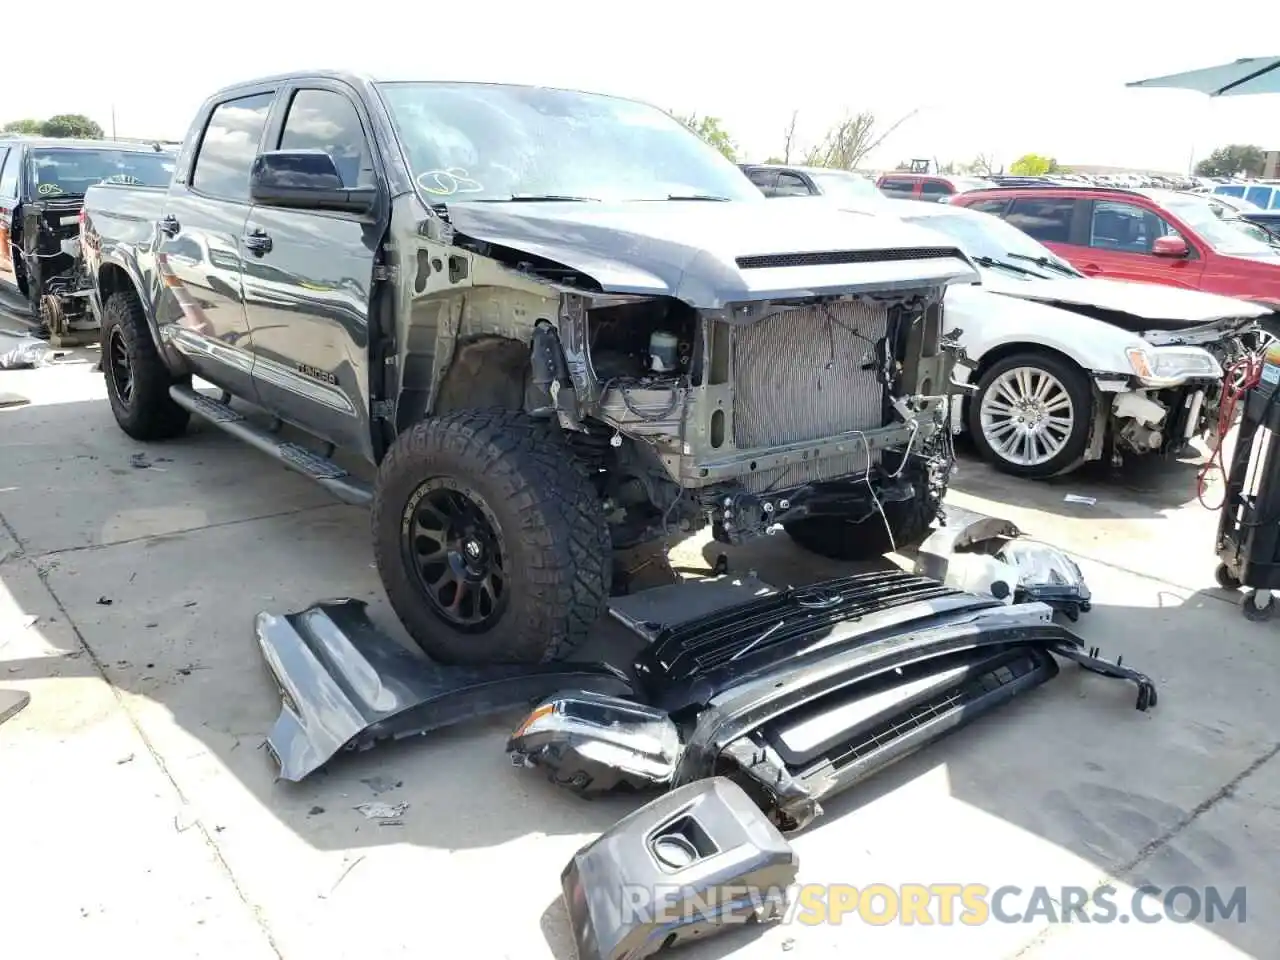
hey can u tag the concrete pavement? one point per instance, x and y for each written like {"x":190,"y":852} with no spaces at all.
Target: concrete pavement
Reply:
{"x":140,"y":814}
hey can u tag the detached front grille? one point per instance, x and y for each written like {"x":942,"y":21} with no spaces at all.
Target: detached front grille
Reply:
{"x":808,"y":373}
{"x":694,"y":648}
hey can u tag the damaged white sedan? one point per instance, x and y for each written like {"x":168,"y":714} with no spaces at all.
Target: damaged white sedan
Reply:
{"x":1066,"y":369}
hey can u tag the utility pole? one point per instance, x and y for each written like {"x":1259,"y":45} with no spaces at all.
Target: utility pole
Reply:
{"x":113,"y":121}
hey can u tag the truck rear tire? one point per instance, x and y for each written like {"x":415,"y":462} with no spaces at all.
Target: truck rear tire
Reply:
{"x":490,"y":539}
{"x":138,"y":381}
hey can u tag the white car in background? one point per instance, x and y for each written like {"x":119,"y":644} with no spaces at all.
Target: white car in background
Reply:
{"x":1068,"y":369}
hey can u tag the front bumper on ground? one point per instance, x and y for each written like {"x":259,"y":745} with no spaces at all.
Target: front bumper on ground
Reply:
{"x":797,"y":694}
{"x":803,"y":693}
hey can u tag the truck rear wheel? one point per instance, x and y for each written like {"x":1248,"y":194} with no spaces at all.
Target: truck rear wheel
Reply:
{"x":138,"y":381}
{"x":490,"y":539}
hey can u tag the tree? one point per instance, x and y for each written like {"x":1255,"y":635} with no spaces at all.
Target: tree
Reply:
{"x":982,"y":165}
{"x":710,"y":129}
{"x":1230,"y":160}
{"x":62,"y":125}
{"x":846,"y":144}
{"x":789,"y":137}
{"x":71,"y":125}
{"x":1033,"y":165}
{"x":27,"y":126}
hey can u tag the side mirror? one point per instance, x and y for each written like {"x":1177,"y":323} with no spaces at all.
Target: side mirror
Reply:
{"x":1170,"y":247}
{"x":305,"y":180}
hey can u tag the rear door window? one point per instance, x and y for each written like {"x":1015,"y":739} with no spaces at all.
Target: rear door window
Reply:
{"x":1259,"y":195}
{"x":897,"y":187}
{"x":766,"y":180}
{"x":935,"y":190}
{"x":229,"y":144}
{"x":1047,"y":219}
{"x":326,"y":120}
{"x":791,"y":185}
{"x":994,"y":207}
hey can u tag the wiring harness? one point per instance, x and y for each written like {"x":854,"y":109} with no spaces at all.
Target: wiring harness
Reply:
{"x":1240,"y":378}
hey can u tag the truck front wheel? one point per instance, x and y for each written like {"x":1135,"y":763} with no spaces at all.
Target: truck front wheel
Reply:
{"x":490,"y":539}
{"x":137,"y":379}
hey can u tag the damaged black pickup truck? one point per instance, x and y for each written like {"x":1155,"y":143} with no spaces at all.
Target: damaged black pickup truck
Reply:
{"x":559,"y":323}
{"x":42,"y":187}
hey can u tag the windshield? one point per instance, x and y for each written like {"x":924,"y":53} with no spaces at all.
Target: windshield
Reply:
{"x":1235,"y":203}
{"x":1251,"y":229}
{"x":63,"y":171}
{"x":473,"y":141}
{"x":846,"y":186}
{"x":982,"y":235}
{"x":1222,"y":235}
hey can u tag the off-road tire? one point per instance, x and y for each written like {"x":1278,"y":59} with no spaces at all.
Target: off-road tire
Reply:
{"x":149,"y":413}
{"x":557,"y":553}
{"x":867,"y":539}
{"x":1076,"y":384}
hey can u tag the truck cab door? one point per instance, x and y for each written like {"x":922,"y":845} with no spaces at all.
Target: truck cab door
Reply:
{"x":10,"y":164}
{"x":308,"y":278}
{"x":200,"y":307}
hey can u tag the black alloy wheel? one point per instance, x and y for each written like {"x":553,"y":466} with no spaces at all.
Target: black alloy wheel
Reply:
{"x":456,"y":553}
{"x":120,"y":367}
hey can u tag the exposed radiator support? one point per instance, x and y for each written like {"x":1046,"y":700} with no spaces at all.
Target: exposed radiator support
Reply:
{"x":804,"y":374}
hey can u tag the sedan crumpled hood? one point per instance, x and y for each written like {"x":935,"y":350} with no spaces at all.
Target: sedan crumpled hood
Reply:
{"x":690,"y":249}
{"x":1136,"y":307}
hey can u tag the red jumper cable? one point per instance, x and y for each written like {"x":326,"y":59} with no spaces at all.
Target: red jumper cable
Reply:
{"x":1240,"y":378}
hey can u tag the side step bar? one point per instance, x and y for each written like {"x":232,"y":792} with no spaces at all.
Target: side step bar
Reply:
{"x":323,"y":471}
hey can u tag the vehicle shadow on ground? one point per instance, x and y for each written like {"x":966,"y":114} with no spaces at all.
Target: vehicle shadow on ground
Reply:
{"x":1141,"y":487}
{"x":186,"y":541}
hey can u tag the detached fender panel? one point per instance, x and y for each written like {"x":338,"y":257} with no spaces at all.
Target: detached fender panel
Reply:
{"x":345,"y":685}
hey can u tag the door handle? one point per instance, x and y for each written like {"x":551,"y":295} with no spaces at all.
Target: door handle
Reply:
{"x":1090,"y":268}
{"x":169,"y":225}
{"x":258,"y":242}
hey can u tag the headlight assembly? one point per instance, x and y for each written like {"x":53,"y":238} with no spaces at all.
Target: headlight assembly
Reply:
{"x":592,"y":743}
{"x":1166,"y":366}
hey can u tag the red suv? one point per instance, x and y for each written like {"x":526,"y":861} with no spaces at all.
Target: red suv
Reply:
{"x":927,"y":186}
{"x":1153,"y":236}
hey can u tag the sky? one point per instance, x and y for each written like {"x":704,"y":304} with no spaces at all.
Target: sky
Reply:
{"x":1045,"y":79}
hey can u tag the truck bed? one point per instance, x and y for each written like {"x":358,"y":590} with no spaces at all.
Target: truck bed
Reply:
{"x":119,"y":214}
